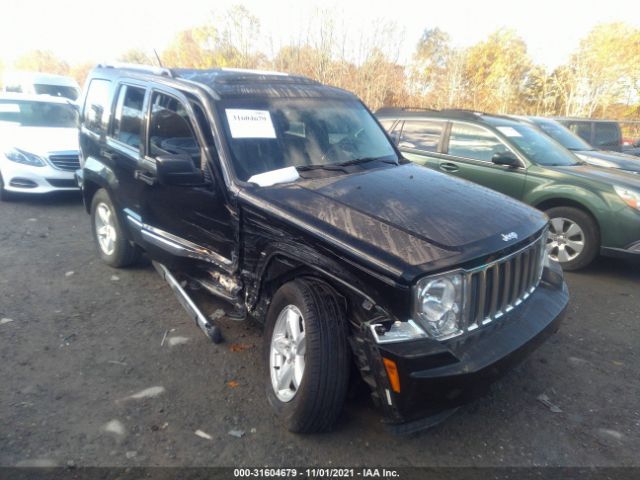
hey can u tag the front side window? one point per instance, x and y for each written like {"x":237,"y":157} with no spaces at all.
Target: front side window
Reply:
{"x":127,"y":124}
{"x":96,"y":109}
{"x":170,"y":129}
{"x":270,"y":134}
{"x":470,"y":141}
{"x":421,"y":135}
{"x":24,"y":113}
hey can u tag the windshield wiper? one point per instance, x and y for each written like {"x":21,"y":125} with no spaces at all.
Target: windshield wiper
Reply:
{"x":359,"y":161}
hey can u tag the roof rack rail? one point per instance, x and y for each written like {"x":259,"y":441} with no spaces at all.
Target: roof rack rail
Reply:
{"x":140,"y":68}
{"x":404,"y":109}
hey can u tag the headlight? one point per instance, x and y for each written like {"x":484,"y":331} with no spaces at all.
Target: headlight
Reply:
{"x":26,"y":158}
{"x":630,"y":197}
{"x":438,"y":304}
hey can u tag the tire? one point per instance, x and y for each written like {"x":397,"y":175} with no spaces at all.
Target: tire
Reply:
{"x":119,"y":252}
{"x":562,"y":224}
{"x":318,"y":399}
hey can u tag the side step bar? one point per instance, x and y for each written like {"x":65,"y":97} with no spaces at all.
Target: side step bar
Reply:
{"x":209,"y":329}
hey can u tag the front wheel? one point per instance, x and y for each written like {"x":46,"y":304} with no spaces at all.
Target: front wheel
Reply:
{"x":113,"y":246}
{"x":307,"y":356}
{"x":574,"y":238}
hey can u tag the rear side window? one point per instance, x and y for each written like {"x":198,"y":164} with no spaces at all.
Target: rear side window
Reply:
{"x":606,"y":135}
{"x":421,"y":135}
{"x":469,"y":141}
{"x":581,"y":129}
{"x":96,"y":110}
{"x":170,"y":129}
{"x":127,"y":123}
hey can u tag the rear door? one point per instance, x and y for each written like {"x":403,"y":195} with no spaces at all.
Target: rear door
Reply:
{"x":469,"y":150}
{"x":122,"y":149}
{"x":421,"y":141}
{"x":185,"y":224}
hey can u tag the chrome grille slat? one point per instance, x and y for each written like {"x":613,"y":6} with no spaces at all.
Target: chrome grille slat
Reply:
{"x":493,"y":306}
{"x":499,"y":286}
{"x":69,"y":163}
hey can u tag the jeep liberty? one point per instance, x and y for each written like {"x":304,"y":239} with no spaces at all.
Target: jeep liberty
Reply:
{"x":286,"y":199}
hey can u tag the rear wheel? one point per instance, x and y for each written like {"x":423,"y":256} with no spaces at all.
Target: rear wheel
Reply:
{"x":307,"y":356}
{"x":574,"y":239}
{"x":113,"y":246}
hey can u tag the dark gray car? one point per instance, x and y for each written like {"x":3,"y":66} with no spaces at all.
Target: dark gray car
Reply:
{"x":584,"y":151}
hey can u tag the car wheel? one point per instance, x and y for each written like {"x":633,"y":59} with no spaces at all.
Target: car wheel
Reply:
{"x":574,"y":239}
{"x":113,"y":246}
{"x":307,"y":356}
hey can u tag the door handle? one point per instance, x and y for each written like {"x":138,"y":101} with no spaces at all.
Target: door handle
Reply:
{"x":449,"y":167}
{"x":144,"y":177}
{"x":107,"y":154}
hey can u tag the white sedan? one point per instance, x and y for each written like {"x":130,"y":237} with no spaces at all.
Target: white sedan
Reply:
{"x":38,"y":144}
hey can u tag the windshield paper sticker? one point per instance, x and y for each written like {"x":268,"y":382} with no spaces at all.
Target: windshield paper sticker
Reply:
{"x":509,"y":131}
{"x":250,"y":123}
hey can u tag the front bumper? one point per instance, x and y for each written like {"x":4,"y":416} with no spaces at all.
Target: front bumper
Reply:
{"x":36,"y":180}
{"x":438,"y":376}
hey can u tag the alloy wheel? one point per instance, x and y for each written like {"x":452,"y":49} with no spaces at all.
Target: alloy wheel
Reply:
{"x":287,"y":353}
{"x":566,"y":240}
{"x":105,"y":228}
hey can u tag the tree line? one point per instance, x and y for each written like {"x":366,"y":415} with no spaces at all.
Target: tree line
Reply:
{"x":600,"y":79}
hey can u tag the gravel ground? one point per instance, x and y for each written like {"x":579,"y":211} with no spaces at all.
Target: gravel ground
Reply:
{"x":87,"y":379}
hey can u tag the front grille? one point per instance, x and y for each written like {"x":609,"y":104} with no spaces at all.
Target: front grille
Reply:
{"x":497,"y":287}
{"x":70,"y":163}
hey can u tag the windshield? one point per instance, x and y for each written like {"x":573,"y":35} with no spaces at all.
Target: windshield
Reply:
{"x":26,"y":113}
{"x":538,"y":147}
{"x":271,"y":134}
{"x":563,"y":135}
{"x":56,"y":90}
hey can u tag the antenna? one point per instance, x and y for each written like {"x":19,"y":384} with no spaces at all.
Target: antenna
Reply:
{"x":158,"y":58}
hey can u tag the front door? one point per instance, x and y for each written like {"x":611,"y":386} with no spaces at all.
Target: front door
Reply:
{"x":469,"y":151}
{"x":185,"y":224}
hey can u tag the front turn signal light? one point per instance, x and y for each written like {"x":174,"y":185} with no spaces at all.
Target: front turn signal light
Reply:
{"x":392,"y":372}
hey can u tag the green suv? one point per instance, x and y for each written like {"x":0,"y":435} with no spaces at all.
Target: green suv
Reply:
{"x":592,"y":210}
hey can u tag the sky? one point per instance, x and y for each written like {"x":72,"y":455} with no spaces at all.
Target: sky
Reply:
{"x":92,"y":30}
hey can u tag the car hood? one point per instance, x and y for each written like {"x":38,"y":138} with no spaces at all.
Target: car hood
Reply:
{"x":610,"y":159}
{"x":40,"y":140}
{"x":607,"y":176}
{"x":405,"y":220}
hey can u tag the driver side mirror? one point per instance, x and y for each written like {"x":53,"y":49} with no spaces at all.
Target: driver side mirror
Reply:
{"x":506,"y":158}
{"x":395,"y":137}
{"x":177,"y":169}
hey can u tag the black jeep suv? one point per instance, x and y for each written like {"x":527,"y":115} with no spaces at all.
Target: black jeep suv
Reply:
{"x":286,"y":199}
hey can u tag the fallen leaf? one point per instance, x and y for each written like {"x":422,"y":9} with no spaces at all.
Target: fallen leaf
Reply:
{"x":239,"y":347}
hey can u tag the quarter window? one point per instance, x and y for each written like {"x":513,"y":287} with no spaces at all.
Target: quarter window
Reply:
{"x":95,"y":105}
{"x":421,"y":135}
{"x":170,"y":130}
{"x":127,"y":125}
{"x":469,"y":141}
